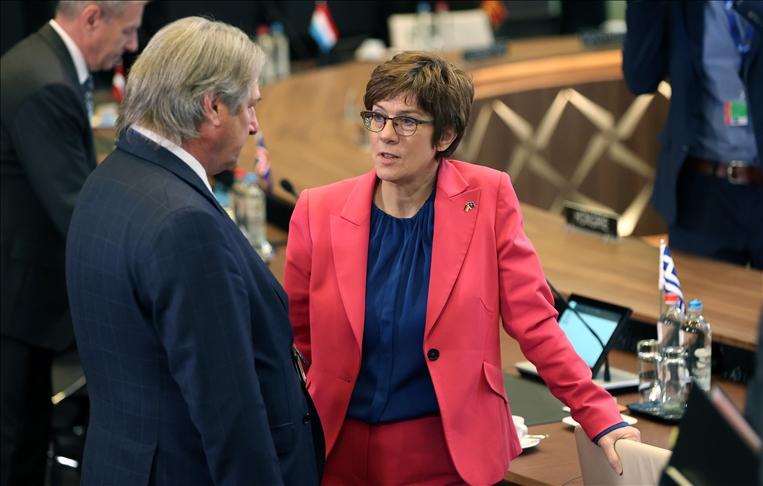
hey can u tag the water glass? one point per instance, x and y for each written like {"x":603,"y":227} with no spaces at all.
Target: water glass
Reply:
{"x":649,"y":387}
{"x":675,"y":379}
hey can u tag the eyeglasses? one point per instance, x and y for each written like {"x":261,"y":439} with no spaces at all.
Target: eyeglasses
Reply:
{"x":404,"y":126}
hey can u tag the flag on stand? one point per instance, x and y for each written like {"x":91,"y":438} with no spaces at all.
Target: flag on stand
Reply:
{"x":668,"y":281}
{"x":118,"y":83}
{"x":322,"y":27}
{"x":262,"y":163}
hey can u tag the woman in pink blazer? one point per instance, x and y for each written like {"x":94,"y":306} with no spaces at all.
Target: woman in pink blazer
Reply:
{"x":396,"y":282}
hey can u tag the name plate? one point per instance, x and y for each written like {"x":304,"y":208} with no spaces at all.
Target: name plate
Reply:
{"x":602,"y":222}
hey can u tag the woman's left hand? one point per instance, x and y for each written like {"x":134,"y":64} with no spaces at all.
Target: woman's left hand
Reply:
{"x":607,"y":443}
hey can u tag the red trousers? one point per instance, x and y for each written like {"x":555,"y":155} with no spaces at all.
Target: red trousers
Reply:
{"x":409,"y":452}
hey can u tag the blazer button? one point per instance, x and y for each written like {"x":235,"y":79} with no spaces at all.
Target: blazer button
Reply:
{"x":307,"y":418}
{"x":433,"y":354}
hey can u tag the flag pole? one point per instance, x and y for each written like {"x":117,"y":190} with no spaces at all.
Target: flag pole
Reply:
{"x":661,"y":278}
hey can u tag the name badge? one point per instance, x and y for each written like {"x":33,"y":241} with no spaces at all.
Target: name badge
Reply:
{"x":735,"y":113}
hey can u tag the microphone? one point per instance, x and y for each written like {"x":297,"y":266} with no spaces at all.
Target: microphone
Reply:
{"x":287,"y":186}
{"x":567,"y":305}
{"x":279,"y":209}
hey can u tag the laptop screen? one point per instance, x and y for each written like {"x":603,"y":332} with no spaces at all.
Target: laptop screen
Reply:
{"x":598,"y":318}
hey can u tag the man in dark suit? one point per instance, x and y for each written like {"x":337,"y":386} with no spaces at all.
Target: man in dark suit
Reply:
{"x":46,"y":152}
{"x":183,"y":332}
{"x":709,"y":183}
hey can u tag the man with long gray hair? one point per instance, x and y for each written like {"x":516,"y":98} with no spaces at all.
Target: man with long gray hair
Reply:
{"x":46,"y":152}
{"x":182,"y":330}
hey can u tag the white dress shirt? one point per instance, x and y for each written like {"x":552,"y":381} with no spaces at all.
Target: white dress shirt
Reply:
{"x":79,"y":60}
{"x":177,"y":150}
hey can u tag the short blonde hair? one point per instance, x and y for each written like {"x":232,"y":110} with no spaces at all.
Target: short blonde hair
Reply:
{"x":185,"y":61}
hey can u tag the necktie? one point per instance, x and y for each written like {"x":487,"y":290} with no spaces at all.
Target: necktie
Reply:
{"x":87,"y":90}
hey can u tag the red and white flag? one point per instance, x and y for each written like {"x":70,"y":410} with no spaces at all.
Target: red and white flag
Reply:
{"x":118,"y":83}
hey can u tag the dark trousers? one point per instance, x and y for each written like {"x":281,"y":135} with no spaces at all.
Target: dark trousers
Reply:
{"x":25,"y":391}
{"x":718,"y":219}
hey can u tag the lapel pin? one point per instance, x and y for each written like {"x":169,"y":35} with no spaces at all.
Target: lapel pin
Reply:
{"x":469,"y":206}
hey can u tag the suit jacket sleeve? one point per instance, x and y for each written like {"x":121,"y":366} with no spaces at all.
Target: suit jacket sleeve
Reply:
{"x":203,"y":315}
{"x":57,"y":168}
{"x":529,"y":317}
{"x":297,"y":274}
{"x":645,"y":49}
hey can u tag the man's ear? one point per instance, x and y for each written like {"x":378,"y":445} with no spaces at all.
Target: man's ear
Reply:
{"x":91,"y":16}
{"x":447,"y":138}
{"x":212,"y":109}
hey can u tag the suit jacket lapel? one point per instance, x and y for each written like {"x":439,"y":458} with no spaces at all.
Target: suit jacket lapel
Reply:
{"x":57,"y":45}
{"x":350,"y":231}
{"x":694,"y":23}
{"x":456,"y":207}
{"x":138,"y":145}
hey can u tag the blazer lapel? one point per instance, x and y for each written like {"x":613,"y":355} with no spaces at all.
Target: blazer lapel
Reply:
{"x":350,"y":230}
{"x":55,"y":42}
{"x":456,"y":207}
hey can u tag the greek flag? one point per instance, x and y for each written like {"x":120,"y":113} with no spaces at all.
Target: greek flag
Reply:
{"x":668,"y":276}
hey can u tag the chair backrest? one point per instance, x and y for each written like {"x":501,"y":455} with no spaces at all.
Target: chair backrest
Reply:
{"x":642,"y":463}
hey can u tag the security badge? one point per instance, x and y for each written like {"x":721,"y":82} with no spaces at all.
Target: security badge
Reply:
{"x":735,"y":113}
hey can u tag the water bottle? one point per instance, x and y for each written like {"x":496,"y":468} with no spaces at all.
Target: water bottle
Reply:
{"x":280,"y":51}
{"x":224,"y":199}
{"x":669,"y":323}
{"x":250,"y":213}
{"x":696,"y":339}
{"x":422,"y":31}
{"x":265,"y":41}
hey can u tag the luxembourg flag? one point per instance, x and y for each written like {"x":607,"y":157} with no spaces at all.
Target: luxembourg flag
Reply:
{"x":322,"y":27}
{"x":668,"y":276}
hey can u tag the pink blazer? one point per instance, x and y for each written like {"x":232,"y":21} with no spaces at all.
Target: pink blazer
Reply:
{"x":483,"y":267}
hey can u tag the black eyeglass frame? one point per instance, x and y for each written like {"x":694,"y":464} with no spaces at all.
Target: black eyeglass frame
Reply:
{"x":367,"y":117}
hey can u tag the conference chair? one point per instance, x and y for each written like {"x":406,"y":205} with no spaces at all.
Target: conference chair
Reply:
{"x":642,"y":463}
{"x":69,"y":421}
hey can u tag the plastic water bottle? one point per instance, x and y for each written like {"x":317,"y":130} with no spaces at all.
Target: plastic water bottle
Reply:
{"x":280,"y":51}
{"x":669,"y":324}
{"x":265,"y":41}
{"x":250,"y":212}
{"x":696,"y":338}
{"x":224,"y":199}
{"x":422,"y":32}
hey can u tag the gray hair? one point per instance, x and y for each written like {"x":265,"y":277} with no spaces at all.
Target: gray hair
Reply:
{"x":69,"y":9}
{"x":185,"y":61}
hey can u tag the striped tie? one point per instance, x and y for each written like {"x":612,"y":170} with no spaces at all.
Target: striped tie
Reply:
{"x":87,"y":90}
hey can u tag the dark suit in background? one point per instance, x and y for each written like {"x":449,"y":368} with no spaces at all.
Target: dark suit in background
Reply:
{"x":46,"y":153}
{"x":665,"y":42}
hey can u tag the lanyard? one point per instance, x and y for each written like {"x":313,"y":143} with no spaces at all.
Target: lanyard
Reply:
{"x":741,"y":35}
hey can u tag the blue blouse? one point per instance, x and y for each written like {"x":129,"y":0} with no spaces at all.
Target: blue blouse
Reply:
{"x":394,"y":382}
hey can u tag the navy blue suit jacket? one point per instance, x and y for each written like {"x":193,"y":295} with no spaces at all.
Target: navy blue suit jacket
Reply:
{"x":183,"y":333}
{"x":664,"y":41}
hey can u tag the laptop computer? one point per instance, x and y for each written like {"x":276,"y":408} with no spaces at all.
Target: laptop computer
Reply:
{"x":591,"y":326}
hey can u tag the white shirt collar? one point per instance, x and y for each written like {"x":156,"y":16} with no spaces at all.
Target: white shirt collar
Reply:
{"x":177,"y":150}
{"x":79,"y":60}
